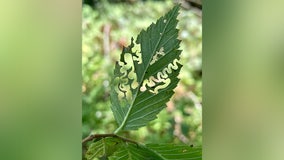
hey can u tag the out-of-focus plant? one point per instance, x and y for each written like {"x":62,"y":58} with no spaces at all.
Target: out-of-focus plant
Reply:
{"x":108,"y":27}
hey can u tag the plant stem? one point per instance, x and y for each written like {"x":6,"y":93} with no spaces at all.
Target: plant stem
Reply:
{"x":95,"y":136}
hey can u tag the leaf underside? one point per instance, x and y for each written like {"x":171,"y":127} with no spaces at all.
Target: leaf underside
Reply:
{"x":146,"y":74}
{"x":121,"y":150}
{"x":103,"y":148}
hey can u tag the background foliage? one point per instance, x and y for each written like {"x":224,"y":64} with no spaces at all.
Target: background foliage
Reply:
{"x":108,"y":26}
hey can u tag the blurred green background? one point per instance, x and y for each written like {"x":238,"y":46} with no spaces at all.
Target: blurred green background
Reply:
{"x":109,"y":25}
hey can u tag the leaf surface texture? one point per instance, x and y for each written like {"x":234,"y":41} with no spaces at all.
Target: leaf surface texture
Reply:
{"x":116,"y":149}
{"x":176,"y":152}
{"x":103,"y":148}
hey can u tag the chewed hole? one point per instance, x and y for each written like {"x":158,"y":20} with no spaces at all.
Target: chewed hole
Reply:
{"x":165,"y":20}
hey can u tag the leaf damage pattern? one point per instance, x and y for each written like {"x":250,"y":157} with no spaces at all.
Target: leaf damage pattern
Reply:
{"x":146,"y":74}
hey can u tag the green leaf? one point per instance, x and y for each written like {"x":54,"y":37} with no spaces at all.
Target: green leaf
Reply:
{"x":114,"y":148}
{"x":157,"y":152}
{"x":130,"y":151}
{"x":146,"y":74}
{"x":103,"y":148}
{"x":176,"y":152}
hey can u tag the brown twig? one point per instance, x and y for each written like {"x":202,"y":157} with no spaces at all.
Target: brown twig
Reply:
{"x":195,"y":100}
{"x":188,"y":4}
{"x":195,"y":3}
{"x":178,"y":130}
{"x":96,"y":136}
{"x":106,"y":39}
